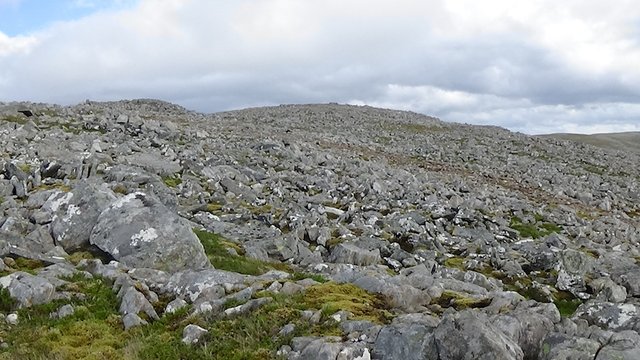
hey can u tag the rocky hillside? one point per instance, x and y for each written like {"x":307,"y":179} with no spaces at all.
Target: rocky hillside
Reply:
{"x":140,"y":230}
{"x":625,"y":141}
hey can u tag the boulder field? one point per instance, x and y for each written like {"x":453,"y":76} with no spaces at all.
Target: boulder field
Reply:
{"x":310,"y":232}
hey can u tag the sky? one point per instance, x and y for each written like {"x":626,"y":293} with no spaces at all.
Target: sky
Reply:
{"x":534,"y":66}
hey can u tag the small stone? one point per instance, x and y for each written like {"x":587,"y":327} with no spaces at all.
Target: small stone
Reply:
{"x":175,"y":305}
{"x":287,"y":329}
{"x":192,"y":334}
{"x":10,"y":262}
{"x":12,"y":319}
{"x":132,"y":320}
{"x":63,"y":311}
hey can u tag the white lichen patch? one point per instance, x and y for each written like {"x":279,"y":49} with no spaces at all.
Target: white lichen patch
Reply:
{"x":72,"y":211}
{"x":55,"y":203}
{"x":125,"y":199}
{"x":146,"y":235}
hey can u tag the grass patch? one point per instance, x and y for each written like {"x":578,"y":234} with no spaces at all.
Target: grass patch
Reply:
{"x":78,"y":256}
{"x":16,"y":119}
{"x":539,"y":228}
{"x":455,"y":263}
{"x":332,"y":297}
{"x":566,"y":303}
{"x":171,"y":181}
{"x":214,"y":208}
{"x":22,"y":264}
{"x":25,"y":168}
{"x":316,"y":277}
{"x":217,"y":249}
{"x":7,"y":303}
{"x":92,"y":332}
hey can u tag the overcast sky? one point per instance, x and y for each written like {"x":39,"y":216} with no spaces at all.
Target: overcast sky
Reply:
{"x":534,"y":66}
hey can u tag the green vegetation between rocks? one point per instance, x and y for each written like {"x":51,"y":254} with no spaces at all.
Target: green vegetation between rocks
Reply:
{"x":16,"y":119}
{"x":95,"y":330}
{"x":566,"y":303}
{"x":221,"y":254}
{"x":536,"y":229}
{"x":460,"y":301}
{"x":172,"y":181}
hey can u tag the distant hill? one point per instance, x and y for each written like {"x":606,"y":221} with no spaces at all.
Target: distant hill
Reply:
{"x":625,"y":141}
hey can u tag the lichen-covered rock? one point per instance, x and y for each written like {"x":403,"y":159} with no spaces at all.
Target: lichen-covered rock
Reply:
{"x":76,"y":212}
{"x":138,"y":230}
{"x":28,"y":289}
{"x":607,"y":315}
{"x":192,"y":334}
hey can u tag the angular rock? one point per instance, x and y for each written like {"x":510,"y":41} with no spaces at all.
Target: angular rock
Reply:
{"x":140,"y":231}
{"x":351,"y":254}
{"x":27,"y":289}
{"x":192,"y":334}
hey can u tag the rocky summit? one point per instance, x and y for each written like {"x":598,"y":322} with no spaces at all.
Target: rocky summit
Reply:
{"x":141,"y":230}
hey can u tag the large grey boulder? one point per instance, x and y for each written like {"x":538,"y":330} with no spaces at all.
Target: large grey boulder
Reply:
{"x":139,"y":231}
{"x":409,"y":337}
{"x":624,"y":345}
{"x":469,"y":335}
{"x":351,"y":254}
{"x":607,"y":315}
{"x":559,"y":346}
{"x":28,"y":289}
{"x":76,"y":212}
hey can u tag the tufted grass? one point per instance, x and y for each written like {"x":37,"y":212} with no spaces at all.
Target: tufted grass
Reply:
{"x":217,"y":249}
{"x":95,"y":330}
{"x":538,"y":229}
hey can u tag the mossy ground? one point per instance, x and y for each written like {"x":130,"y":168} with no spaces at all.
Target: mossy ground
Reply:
{"x":95,"y":330}
{"x":217,"y":249}
{"x":536,"y":229}
{"x":460,"y":301}
{"x":172,"y":181}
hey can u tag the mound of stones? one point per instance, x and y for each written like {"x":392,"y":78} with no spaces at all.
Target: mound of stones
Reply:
{"x":487,"y":244}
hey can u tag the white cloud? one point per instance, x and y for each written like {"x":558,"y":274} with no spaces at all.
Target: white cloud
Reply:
{"x":463,"y":60}
{"x":15,"y":45}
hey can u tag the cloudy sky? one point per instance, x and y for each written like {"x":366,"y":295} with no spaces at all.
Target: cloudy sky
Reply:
{"x":534,"y":66}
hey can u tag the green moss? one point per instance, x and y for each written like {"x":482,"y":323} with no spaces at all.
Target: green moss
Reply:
{"x":332,"y":297}
{"x":455,"y":263}
{"x":92,"y":332}
{"x":539,"y":228}
{"x":95,"y":330}
{"x":78,"y":256}
{"x":172,"y":181}
{"x":316,"y":277}
{"x":217,"y":249}
{"x":25,"y":167}
{"x":566,"y":303}
{"x":460,"y":301}
{"x":25,"y":264}
{"x":120,"y":189}
{"x":214,"y":208}
{"x":16,"y":119}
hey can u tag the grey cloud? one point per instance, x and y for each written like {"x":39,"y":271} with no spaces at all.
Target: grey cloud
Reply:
{"x":210,"y":56}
